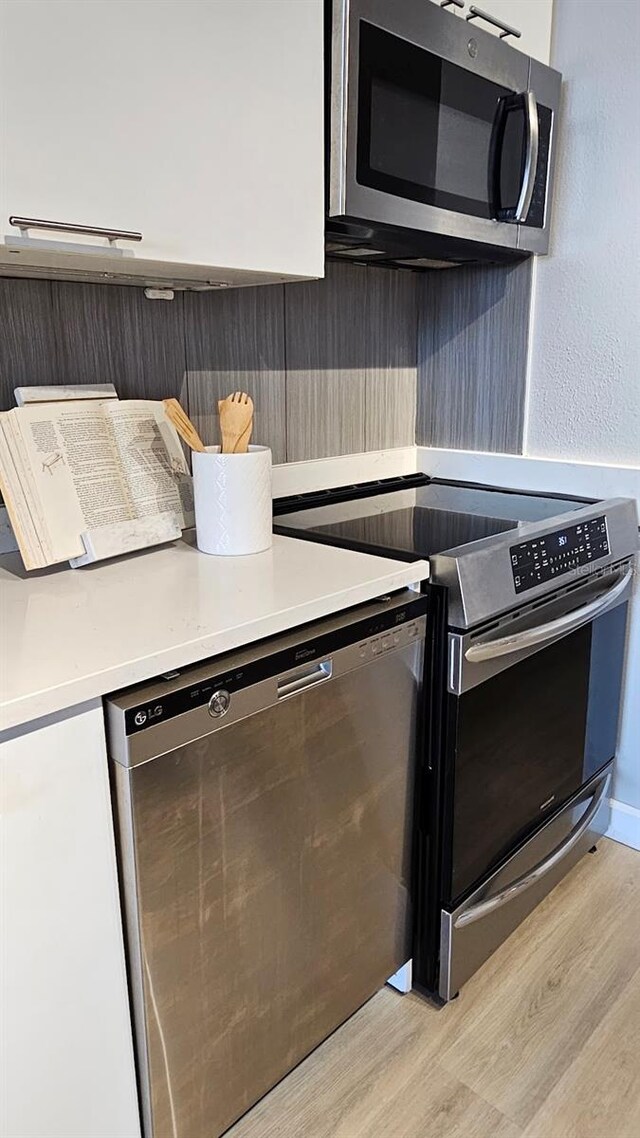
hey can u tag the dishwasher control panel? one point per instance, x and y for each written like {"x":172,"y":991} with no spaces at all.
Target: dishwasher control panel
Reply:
{"x":371,"y":636}
{"x":394,"y":638}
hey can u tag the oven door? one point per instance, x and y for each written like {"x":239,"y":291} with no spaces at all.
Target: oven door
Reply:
{"x":534,"y":707}
{"x":434,"y":126}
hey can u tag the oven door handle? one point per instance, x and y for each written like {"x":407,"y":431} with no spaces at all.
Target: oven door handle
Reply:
{"x":485,"y":908}
{"x":552,"y":629}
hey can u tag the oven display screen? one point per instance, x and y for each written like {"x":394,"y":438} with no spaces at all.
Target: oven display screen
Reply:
{"x":546,"y":558}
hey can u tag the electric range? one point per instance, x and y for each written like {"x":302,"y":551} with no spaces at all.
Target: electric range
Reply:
{"x":526,"y":632}
{"x":414,"y":516}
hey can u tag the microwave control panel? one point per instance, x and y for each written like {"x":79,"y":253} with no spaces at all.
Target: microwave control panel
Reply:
{"x":545,"y":558}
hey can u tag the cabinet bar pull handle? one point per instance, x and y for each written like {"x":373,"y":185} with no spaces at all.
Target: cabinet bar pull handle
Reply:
{"x":505,"y":29}
{"x":68,"y":227}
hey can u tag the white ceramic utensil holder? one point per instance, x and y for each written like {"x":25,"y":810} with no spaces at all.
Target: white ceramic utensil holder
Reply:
{"x":233,"y":501}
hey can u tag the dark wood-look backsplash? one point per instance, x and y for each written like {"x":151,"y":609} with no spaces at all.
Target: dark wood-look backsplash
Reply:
{"x":351,"y":351}
{"x":472,"y":357}
{"x":334,"y":366}
{"x":235,"y":342}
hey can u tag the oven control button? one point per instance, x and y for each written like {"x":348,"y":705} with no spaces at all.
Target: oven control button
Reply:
{"x":219,"y":703}
{"x":386,"y":642}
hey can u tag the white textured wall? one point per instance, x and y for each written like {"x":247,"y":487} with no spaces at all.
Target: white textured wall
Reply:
{"x":584,"y":383}
{"x":584,"y":387}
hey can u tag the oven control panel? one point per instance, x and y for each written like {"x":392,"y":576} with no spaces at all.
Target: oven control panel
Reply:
{"x":545,"y":558}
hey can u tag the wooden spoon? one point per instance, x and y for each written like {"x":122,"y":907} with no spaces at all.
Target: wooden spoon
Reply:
{"x":178,"y":416}
{"x":236,"y":422}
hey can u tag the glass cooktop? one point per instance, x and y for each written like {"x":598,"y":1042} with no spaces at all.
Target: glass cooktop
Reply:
{"x":420,"y":521}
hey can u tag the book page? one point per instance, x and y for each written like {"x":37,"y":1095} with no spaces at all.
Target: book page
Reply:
{"x":17,"y":500}
{"x":72,"y":470}
{"x":152,"y":461}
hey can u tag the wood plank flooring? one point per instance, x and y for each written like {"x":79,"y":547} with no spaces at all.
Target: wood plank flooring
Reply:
{"x":544,"y":1042}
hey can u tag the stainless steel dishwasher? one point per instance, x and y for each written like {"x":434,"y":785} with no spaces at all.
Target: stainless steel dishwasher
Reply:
{"x":263,"y":807}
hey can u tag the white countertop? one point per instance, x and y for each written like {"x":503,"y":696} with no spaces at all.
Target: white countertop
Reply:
{"x":70,"y":635}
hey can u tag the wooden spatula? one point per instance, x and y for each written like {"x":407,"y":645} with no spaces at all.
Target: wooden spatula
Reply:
{"x":236,"y":422}
{"x":178,"y":416}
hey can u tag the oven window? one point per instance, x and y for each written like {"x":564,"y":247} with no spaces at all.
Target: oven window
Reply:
{"x":425,"y":127}
{"x":528,"y":738}
{"x":519,"y":755}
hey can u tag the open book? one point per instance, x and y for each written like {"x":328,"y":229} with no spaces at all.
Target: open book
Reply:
{"x":70,"y":467}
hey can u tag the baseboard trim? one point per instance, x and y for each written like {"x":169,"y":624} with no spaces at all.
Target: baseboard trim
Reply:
{"x":625,"y":824}
{"x":524,"y":472}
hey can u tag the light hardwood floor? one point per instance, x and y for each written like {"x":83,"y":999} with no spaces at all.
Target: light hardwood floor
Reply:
{"x":544,"y":1042}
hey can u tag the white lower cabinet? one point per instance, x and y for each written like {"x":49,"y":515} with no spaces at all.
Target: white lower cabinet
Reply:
{"x":67,"y":1068}
{"x":532,"y":18}
{"x":192,"y":130}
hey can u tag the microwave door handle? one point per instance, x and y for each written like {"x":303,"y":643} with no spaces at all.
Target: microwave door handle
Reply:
{"x":531,"y":159}
{"x":526,"y":101}
{"x":485,"y":908}
{"x":553,"y":628}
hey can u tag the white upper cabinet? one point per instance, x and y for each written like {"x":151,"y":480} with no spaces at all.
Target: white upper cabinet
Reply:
{"x":197,"y":124}
{"x":532,"y":18}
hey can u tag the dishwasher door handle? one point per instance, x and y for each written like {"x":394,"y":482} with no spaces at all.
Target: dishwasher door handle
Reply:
{"x":304,"y":678}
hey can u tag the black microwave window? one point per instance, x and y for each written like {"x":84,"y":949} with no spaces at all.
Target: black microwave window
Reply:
{"x":425,"y":127}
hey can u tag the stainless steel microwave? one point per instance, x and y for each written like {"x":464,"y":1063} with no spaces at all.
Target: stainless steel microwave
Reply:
{"x":441,"y":138}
